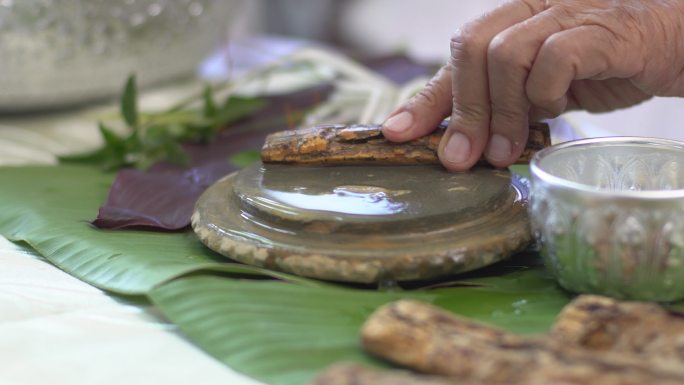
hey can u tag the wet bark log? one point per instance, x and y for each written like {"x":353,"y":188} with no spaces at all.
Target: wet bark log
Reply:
{"x":365,"y":144}
{"x":603,"y":324}
{"x":429,"y":340}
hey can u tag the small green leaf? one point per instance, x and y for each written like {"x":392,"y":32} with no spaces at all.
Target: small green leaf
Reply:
{"x":198,"y":133}
{"x":238,"y":107}
{"x":157,"y":144}
{"x":157,"y":136}
{"x":129,"y":103}
{"x":173,"y":152}
{"x":245,"y":158}
{"x":209,"y":105}
{"x":111,"y":139}
{"x":117,"y":150}
{"x":133,"y":143}
{"x":111,"y":156}
{"x":94,"y":157}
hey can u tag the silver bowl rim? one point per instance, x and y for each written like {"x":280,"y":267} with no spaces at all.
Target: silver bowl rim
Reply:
{"x":555,"y":181}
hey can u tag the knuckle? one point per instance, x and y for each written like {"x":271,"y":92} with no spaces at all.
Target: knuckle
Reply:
{"x":507,"y":114}
{"x":554,"y":43}
{"x":435,"y":90}
{"x":538,"y":97}
{"x":429,"y":95}
{"x":555,"y":47}
{"x":470,"y":115}
{"x":548,"y":101}
{"x":503,"y":50}
{"x":536,"y":6}
{"x":467,"y":41}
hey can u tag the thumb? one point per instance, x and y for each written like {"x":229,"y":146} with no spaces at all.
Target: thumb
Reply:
{"x":421,"y":114}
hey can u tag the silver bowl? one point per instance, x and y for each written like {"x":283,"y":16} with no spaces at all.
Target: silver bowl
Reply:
{"x":609,"y":214}
{"x":62,"y":52}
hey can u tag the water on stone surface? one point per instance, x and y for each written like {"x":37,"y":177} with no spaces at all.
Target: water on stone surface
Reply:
{"x":354,"y":200}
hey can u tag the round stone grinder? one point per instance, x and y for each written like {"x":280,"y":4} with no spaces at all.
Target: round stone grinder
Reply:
{"x":365,"y":224}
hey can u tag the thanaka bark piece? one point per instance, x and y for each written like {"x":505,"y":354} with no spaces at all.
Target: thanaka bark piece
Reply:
{"x":603,"y":324}
{"x":430,"y":340}
{"x":364,"y":144}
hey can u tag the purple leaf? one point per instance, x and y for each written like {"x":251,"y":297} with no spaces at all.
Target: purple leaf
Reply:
{"x":159,"y":200}
{"x":163,"y":197}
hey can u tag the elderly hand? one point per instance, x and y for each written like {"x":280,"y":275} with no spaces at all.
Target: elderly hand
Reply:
{"x":531,"y":59}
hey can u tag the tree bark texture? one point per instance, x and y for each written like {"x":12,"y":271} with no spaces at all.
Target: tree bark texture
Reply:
{"x":365,"y":144}
{"x":602,"y":324}
{"x":430,"y":340}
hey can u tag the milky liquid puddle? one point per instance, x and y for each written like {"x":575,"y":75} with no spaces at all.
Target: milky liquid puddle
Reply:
{"x":353,"y":200}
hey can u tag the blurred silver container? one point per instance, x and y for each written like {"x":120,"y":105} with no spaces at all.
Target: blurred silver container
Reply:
{"x":609,"y":214}
{"x":55,"y":53}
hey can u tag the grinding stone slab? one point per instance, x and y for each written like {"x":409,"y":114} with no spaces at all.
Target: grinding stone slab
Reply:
{"x":365,"y":224}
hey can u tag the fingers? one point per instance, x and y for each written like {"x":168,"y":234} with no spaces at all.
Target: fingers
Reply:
{"x":468,"y":132}
{"x":420,"y":115}
{"x":585,"y":52}
{"x":526,"y":59}
{"x":606,"y":95}
{"x":509,"y":59}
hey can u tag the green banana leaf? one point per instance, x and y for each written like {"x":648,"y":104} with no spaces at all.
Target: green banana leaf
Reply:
{"x":281,"y":332}
{"x":49,"y":208}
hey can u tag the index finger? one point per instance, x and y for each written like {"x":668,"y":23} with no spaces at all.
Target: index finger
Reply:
{"x":468,"y":132}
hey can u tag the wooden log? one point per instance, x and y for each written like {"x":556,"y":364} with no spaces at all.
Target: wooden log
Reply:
{"x":355,"y":374}
{"x":602,"y":324}
{"x":430,"y":340}
{"x":365,"y":144}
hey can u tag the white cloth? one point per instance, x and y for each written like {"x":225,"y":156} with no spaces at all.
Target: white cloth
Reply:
{"x":57,"y":330}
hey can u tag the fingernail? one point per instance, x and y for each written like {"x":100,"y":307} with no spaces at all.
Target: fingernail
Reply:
{"x":399,"y":122}
{"x":457,"y":149}
{"x":499,"y":148}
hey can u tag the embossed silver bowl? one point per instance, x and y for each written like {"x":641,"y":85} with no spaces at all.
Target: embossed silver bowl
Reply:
{"x":609,"y":214}
{"x":55,"y":53}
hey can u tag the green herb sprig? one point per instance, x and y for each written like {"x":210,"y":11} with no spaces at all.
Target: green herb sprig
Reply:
{"x":157,"y":136}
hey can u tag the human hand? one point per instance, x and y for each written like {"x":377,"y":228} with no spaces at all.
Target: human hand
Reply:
{"x":533,"y":59}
